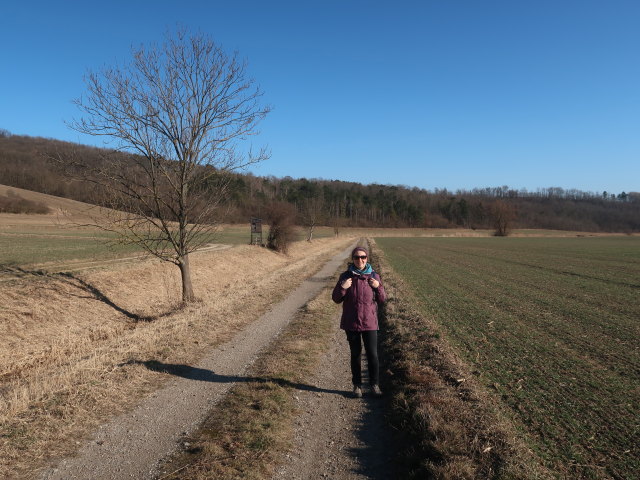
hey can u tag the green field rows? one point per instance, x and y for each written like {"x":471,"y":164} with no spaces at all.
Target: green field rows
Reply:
{"x":552,"y":325}
{"x":28,"y":247}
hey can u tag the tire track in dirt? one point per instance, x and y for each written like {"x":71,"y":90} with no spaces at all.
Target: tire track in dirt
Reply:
{"x":132,"y":444}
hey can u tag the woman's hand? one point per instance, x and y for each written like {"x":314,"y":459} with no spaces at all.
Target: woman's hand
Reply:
{"x":346,"y":284}
{"x":374,"y":283}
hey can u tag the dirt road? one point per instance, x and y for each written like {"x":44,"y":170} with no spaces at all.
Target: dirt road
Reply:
{"x":131,"y":445}
{"x":339,"y":437}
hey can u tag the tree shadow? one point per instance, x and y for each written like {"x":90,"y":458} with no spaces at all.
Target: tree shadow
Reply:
{"x":204,"y":375}
{"x":83,"y":286}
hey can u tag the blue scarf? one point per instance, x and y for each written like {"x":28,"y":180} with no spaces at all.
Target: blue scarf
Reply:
{"x":367,"y":270}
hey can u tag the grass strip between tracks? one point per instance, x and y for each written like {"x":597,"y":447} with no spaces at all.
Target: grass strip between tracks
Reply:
{"x":246,"y":434}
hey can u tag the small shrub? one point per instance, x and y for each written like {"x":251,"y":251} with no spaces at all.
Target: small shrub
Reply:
{"x":503,"y":216}
{"x":14,"y":203}
{"x":281,"y":217}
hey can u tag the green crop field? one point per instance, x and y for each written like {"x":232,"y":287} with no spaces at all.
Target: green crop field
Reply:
{"x":552,"y":326}
{"x":33,"y":247}
{"x":37,"y":245}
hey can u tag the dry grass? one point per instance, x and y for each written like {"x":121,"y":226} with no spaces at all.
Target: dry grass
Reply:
{"x":452,"y":428}
{"x":70,"y":346}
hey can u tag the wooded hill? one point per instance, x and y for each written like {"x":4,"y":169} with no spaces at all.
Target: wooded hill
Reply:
{"x":335,"y":202}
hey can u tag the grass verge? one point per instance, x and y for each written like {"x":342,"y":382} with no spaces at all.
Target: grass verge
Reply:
{"x":245,"y":435}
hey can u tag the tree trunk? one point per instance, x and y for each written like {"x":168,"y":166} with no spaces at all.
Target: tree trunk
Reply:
{"x":185,"y":273}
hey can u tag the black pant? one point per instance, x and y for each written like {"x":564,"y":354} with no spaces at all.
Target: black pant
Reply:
{"x":370,"y":339}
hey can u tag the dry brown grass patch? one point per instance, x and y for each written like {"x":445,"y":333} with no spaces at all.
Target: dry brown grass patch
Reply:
{"x":62,"y":210}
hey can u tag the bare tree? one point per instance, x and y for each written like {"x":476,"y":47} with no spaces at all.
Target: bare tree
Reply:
{"x":180,"y":110}
{"x":312,"y":214}
{"x":338,"y":223}
{"x":281,"y":217}
{"x":503,"y":216}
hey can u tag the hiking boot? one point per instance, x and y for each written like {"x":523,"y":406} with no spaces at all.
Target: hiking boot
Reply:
{"x":375,"y":390}
{"x":357,"y":391}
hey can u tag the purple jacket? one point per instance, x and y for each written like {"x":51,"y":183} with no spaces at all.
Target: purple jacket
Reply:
{"x":359,"y":302}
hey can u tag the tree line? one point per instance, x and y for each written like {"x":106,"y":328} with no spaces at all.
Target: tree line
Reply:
{"x":339,"y":203}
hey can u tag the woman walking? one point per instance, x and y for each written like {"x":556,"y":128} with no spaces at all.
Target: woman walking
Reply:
{"x":360,"y":291}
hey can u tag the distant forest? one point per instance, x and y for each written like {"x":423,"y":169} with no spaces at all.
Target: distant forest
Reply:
{"x":339,"y":203}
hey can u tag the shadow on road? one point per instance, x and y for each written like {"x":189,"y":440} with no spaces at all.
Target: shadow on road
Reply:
{"x":377,"y":447}
{"x":377,"y":453}
{"x":204,"y":375}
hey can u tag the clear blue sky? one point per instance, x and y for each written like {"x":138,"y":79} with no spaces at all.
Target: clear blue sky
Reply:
{"x":434,"y":94}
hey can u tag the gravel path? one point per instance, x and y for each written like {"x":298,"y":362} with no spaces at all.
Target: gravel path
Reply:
{"x":131,"y":445}
{"x":337,"y":436}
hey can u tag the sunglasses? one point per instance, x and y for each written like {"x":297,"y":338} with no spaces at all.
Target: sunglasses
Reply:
{"x":361,"y":257}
